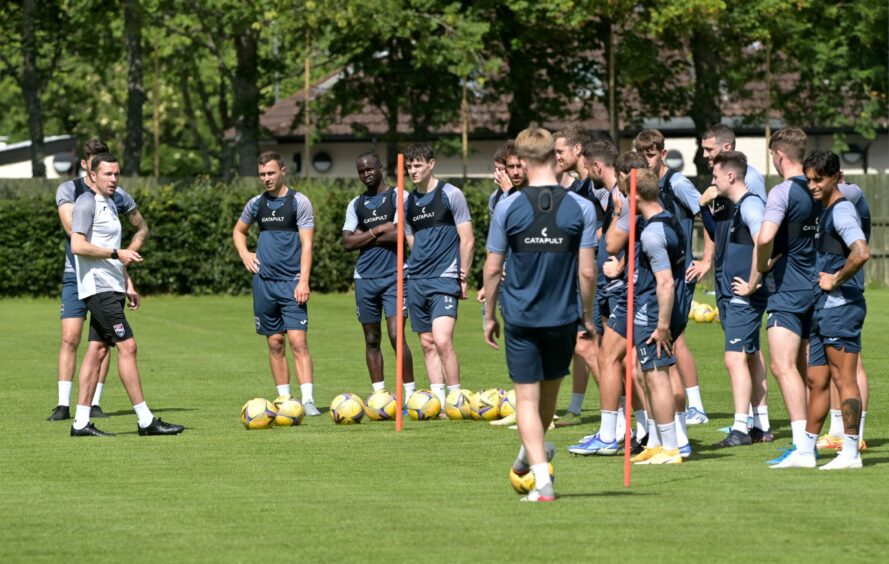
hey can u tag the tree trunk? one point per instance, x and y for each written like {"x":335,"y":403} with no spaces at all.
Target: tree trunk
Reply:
{"x":705,"y":108}
{"x":132,"y":153}
{"x":246,"y":101}
{"x":30,"y":84}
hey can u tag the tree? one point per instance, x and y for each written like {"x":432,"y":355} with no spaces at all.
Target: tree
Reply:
{"x":132,"y":155}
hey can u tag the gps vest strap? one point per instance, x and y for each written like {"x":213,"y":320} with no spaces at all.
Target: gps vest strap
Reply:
{"x":740,"y":234}
{"x":282,"y":218}
{"x":433,"y":214}
{"x":370,"y":218}
{"x":544,"y":235}
{"x":827,"y":238}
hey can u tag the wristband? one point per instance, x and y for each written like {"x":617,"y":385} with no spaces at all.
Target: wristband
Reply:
{"x":114,"y":254}
{"x":372,"y":233}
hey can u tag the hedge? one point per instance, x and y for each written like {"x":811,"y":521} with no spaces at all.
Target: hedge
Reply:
{"x":190,"y":250}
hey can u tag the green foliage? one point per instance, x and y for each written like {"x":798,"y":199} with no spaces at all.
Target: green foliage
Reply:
{"x":190,"y":249}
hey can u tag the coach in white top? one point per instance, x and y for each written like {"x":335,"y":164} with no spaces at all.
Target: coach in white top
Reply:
{"x":101,"y":284}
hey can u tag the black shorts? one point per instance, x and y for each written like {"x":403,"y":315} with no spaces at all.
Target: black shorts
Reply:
{"x":539,"y":353}
{"x":108,"y":324}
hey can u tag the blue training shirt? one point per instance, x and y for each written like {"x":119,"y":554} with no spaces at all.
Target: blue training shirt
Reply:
{"x":660,"y":250}
{"x":279,"y":248}
{"x":686,"y":204}
{"x":543,"y":240}
{"x":746,"y":221}
{"x":432,"y":219}
{"x":364,"y":212}
{"x":839,"y":227}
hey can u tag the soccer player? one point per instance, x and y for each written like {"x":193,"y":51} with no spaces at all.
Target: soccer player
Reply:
{"x":370,"y":227}
{"x":719,"y":139}
{"x":281,"y":268}
{"x":741,"y":313}
{"x":101,"y":264}
{"x":439,"y":231}
{"x":835,"y":339}
{"x":660,"y":271}
{"x":682,"y":199}
{"x":550,"y":234}
{"x":572,"y":170}
{"x":613,"y":348}
{"x":73,"y":309}
{"x":785,"y":254}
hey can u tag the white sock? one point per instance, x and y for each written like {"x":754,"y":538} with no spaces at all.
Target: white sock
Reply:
{"x":798,"y":429}
{"x":668,"y":436}
{"x":608,"y":426}
{"x":750,"y":410}
{"x":836,"y":423}
{"x":81,"y":416}
{"x":378,"y":386}
{"x":283,"y":390}
{"x":641,"y":424}
{"x":761,"y":418}
{"x":681,"y":429}
{"x":454,"y":388}
{"x":850,"y":446}
{"x":693,"y":398}
{"x":861,"y":425}
{"x":307,"y":391}
{"x":653,"y":438}
{"x":576,"y":404}
{"x":439,"y":391}
{"x":740,"y":423}
{"x":807,"y":443}
{"x":97,"y":397}
{"x":409,"y":388}
{"x":541,"y":475}
{"x":620,"y":429}
{"x":64,"y":393}
{"x":144,"y":414}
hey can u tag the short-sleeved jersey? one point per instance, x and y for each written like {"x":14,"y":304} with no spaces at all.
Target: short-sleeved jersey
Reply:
{"x":856,"y":195}
{"x":542,"y":228}
{"x":279,"y":248}
{"x":722,"y":210}
{"x":746,"y":221}
{"x":365,"y":212}
{"x":497,"y":195}
{"x":792,"y":280}
{"x":68,"y":192}
{"x":682,"y":200}
{"x":838,"y":228}
{"x":610,"y":286}
{"x":97,"y":218}
{"x":586,"y":189}
{"x":432,"y":219}
{"x":662,"y":249}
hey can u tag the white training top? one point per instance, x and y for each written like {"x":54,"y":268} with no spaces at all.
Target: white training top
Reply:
{"x":96,"y":217}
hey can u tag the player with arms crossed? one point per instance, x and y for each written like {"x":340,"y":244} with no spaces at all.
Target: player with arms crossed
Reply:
{"x":102,"y":284}
{"x":73,"y":309}
{"x":742,"y":313}
{"x":439,"y":230}
{"x":550,"y":234}
{"x":281,"y":267}
{"x":835,"y":339}
{"x":370,"y":227}
{"x":785,"y":254}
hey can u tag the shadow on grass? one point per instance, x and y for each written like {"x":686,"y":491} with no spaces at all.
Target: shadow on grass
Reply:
{"x":153,"y":410}
{"x":874,"y":461}
{"x":619,"y":493}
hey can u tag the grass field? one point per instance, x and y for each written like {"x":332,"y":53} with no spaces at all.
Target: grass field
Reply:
{"x":436,"y":492}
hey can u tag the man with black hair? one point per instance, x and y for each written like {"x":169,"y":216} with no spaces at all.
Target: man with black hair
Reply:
{"x":73,"y":312}
{"x":439,"y":230}
{"x":102,"y":284}
{"x":370,"y":228}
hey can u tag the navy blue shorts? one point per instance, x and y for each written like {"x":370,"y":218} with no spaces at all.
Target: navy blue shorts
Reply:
{"x":430,"y":298}
{"x":374,"y":296}
{"x":275,"y":309}
{"x":742,"y":323}
{"x":617,"y":320}
{"x":72,"y":306}
{"x":799,"y":323}
{"x":720,"y":308}
{"x":538,"y":353}
{"x":685,"y":294}
{"x":605,"y":303}
{"x":647,"y":353}
{"x":837,"y":327}
{"x":108,"y":324}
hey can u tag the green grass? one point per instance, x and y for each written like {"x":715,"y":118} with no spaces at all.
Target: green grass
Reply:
{"x":437,"y":491}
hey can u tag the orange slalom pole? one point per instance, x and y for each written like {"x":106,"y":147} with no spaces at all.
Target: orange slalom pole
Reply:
{"x":630,"y":359}
{"x":399,"y":301}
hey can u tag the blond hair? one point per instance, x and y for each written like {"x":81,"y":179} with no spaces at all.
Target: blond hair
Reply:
{"x":535,"y":144}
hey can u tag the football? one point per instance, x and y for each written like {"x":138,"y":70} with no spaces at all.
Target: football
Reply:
{"x":258,"y":413}
{"x":486,"y":405}
{"x":380,"y":406}
{"x":507,"y":404}
{"x":290,"y":413}
{"x":423,"y":405}
{"x":524,"y":483}
{"x":347,"y":409}
{"x":457,"y":405}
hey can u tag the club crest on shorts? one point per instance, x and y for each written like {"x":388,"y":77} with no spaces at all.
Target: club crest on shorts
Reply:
{"x":119,"y":329}
{"x":256,"y":320}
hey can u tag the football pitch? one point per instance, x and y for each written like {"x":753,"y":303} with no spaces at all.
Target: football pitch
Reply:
{"x":438,"y":491}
